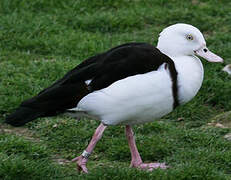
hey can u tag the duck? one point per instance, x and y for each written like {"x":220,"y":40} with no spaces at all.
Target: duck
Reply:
{"x":130,"y":84}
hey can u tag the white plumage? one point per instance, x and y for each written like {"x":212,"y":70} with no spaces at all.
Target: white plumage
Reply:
{"x":132,"y":100}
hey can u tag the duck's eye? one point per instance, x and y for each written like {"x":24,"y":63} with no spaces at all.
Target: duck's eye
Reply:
{"x":189,"y":37}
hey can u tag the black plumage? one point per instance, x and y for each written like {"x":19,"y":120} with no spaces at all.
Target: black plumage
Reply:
{"x":103,"y":69}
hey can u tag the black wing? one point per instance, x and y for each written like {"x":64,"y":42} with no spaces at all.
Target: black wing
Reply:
{"x":103,"y":69}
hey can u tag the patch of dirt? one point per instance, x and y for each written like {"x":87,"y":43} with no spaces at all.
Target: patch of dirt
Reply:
{"x":57,"y":158}
{"x":62,"y":161}
{"x":222,"y":120}
{"x":19,"y":131}
{"x":219,"y":125}
{"x":195,"y":2}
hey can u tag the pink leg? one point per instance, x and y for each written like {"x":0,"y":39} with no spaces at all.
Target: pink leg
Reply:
{"x":82,"y":160}
{"x":136,"y":159}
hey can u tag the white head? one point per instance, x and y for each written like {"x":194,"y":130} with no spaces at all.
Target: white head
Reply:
{"x":185,"y":40}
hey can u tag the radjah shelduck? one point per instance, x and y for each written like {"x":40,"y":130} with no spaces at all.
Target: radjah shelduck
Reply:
{"x":130,"y":84}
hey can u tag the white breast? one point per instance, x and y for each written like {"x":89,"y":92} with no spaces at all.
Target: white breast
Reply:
{"x":190,"y":76}
{"x":133,"y":100}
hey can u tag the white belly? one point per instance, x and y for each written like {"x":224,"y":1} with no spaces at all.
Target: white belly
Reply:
{"x":133,"y":100}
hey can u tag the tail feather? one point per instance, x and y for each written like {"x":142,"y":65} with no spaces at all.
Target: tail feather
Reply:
{"x":22,"y":115}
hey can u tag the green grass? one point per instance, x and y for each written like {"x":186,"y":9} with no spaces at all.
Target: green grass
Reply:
{"x":41,"y":40}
